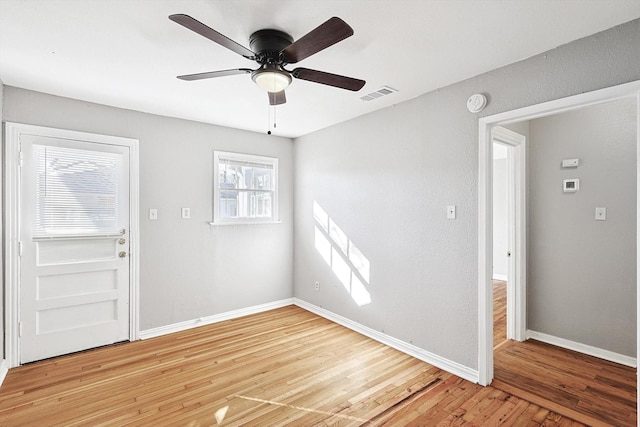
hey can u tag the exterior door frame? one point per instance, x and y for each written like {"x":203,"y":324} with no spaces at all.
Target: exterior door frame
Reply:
{"x":517,"y":235}
{"x":485,"y":206}
{"x":12,"y":223}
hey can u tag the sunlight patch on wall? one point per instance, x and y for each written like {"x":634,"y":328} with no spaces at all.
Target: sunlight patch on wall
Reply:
{"x":323,"y":246}
{"x":348,"y":263}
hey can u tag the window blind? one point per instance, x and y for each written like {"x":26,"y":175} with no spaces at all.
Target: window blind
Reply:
{"x":76,"y":191}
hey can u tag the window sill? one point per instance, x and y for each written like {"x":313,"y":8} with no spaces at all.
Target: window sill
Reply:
{"x":216,"y":223}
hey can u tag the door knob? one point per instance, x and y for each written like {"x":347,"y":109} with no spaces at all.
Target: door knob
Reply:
{"x":122,"y":254}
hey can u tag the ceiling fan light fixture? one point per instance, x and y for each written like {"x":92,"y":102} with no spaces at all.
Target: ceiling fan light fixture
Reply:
{"x":271,"y":79}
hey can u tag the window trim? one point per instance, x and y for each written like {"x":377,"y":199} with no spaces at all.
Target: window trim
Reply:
{"x":249,"y":158}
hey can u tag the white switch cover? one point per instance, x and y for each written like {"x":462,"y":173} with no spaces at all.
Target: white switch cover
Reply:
{"x":186,"y":213}
{"x":153,"y":214}
{"x":570,"y":163}
{"x":601,"y":214}
{"x":451,"y":212}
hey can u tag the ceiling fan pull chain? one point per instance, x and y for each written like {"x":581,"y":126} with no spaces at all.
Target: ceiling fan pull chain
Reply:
{"x":269,"y":120}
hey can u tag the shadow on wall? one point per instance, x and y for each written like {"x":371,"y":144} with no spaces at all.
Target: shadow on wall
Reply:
{"x":346,"y":261}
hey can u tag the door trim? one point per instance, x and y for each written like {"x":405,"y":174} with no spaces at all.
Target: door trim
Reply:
{"x":517,"y":235}
{"x":485,"y":206}
{"x":13,"y":131}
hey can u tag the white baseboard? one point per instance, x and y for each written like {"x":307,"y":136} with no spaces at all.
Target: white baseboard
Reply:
{"x":502,"y":277}
{"x":4,"y":369}
{"x":583,"y":348}
{"x":410,"y":349}
{"x":207,"y":320}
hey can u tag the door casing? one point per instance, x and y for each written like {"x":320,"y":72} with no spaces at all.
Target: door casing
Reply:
{"x":517,"y":233}
{"x":12,"y":223}
{"x":485,"y":206}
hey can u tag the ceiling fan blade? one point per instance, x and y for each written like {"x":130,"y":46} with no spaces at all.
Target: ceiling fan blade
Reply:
{"x":325,"y":35}
{"x":212,"y":74}
{"x":205,"y":31}
{"x":277,"y":98}
{"x":342,"y":82}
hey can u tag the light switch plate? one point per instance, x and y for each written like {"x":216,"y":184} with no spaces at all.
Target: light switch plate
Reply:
{"x":601,"y":214}
{"x":451,"y":212}
{"x":186,"y":213}
{"x":570,"y":163}
{"x":153,"y":214}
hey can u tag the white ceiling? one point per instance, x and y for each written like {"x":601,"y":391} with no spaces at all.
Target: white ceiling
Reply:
{"x":127,"y":53}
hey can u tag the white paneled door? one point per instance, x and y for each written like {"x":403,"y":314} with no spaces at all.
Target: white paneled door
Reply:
{"x":74,"y":230}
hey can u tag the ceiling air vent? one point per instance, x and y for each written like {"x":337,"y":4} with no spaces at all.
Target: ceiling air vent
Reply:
{"x":385,"y":90}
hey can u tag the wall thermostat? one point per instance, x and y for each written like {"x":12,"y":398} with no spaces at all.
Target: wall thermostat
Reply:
{"x":476,"y":103}
{"x":570,"y":185}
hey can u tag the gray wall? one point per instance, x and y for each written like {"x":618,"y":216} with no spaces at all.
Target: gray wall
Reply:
{"x":519,"y":127}
{"x":387,"y":177}
{"x":188,"y":269}
{"x":582,"y":273}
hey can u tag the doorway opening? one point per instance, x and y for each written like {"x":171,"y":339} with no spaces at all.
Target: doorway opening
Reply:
{"x":485,"y":254}
{"x":509,"y":229}
{"x":629,"y":91}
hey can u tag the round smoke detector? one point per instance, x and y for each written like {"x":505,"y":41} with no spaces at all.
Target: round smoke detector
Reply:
{"x":476,"y":103}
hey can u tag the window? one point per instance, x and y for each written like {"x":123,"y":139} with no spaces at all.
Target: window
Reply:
{"x":245,"y":188}
{"x":76,"y":191}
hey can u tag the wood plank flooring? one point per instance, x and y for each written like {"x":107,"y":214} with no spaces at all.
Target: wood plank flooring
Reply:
{"x":594,"y":391}
{"x":285,"y":367}
{"x":603,"y":391}
{"x":499,"y":312}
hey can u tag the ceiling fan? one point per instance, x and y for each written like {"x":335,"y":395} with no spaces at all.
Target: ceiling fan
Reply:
{"x":273,"y":50}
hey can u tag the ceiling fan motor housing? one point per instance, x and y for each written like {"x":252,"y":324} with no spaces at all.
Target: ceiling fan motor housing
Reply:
{"x":267,"y":45}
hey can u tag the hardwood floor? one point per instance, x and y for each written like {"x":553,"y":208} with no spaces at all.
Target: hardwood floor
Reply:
{"x":499,"y":312}
{"x":591,"y":390}
{"x":281,"y":367}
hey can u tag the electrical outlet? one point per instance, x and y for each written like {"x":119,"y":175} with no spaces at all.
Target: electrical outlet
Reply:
{"x":317,"y":286}
{"x":186,"y":213}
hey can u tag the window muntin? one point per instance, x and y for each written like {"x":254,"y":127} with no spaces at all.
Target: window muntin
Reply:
{"x":245,"y":188}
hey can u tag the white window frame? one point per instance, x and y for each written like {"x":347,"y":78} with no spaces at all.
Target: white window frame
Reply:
{"x":247,"y":158}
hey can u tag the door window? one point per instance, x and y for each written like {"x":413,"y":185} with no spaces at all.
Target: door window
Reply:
{"x":76,"y":191}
